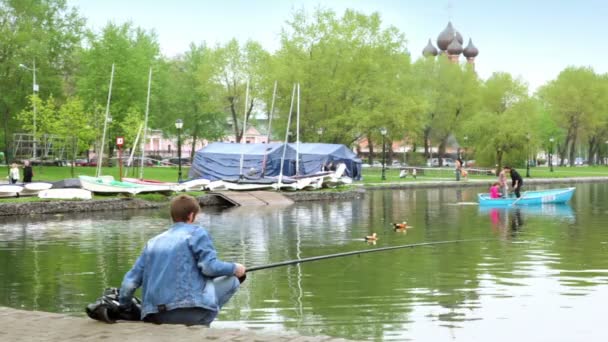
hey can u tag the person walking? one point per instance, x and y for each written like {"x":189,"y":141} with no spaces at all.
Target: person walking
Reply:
{"x":182,"y":280}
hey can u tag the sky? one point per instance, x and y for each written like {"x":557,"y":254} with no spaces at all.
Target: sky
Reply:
{"x":531,"y":39}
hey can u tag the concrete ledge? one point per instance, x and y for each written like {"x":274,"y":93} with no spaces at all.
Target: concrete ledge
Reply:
{"x":20,"y":325}
{"x":54,"y":207}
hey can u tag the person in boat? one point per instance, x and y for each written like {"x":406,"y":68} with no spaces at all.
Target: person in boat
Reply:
{"x":516,"y":181}
{"x":28,"y":173}
{"x":13,"y":174}
{"x":502,"y":180}
{"x":495,"y":190}
{"x":182,"y":280}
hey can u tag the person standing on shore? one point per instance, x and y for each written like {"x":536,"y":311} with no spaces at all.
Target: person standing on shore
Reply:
{"x":458,"y":166}
{"x":182,"y":280}
{"x":13,"y":174}
{"x":28,"y":173}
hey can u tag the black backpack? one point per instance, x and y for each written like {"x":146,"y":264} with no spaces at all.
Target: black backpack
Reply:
{"x":107,"y":308}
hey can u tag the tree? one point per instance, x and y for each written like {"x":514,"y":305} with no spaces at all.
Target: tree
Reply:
{"x":354,"y":76}
{"x":193,"y":96}
{"x":48,"y":32}
{"x":575,"y":100}
{"x":499,"y":129}
{"x":133,"y":51}
{"x":233,"y":67}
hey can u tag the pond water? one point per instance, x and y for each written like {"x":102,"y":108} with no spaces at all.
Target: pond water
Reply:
{"x":540,"y":274}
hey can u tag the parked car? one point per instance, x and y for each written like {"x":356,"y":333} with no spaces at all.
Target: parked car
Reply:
{"x":175,"y":161}
{"x":397,"y":164}
{"x":376,"y":164}
{"x":81,"y":162}
{"x":447,"y":162}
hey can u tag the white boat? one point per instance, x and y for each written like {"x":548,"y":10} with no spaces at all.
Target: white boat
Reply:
{"x":247,"y":186}
{"x":217,"y":185}
{"x":195,"y":184}
{"x":32,"y":189}
{"x":65,"y":193}
{"x":107,"y":185}
{"x":10,"y":190}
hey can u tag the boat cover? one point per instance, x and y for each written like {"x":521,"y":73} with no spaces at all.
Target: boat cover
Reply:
{"x":219,"y":161}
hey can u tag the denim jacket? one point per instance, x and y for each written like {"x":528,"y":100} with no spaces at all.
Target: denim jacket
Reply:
{"x":175,"y":270}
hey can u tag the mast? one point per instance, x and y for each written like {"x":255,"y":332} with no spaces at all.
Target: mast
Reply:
{"x":244,"y":129}
{"x":143,"y":140}
{"x":105,"y":127}
{"x":298,"y":134}
{"x":293,"y":95}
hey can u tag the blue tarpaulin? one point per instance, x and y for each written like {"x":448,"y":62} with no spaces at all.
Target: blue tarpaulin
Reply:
{"x":314,"y":155}
{"x":222,"y":160}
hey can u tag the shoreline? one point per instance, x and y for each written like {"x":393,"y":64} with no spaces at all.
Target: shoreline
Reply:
{"x":356,"y":191}
{"x":22,"y":325}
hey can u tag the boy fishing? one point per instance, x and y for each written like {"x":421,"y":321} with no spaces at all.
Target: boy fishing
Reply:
{"x":182,"y":280}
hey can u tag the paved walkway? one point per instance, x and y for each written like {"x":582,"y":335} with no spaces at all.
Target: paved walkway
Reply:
{"x":19,"y":325}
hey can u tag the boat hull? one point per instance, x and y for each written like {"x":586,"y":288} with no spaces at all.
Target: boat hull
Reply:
{"x":535,"y":197}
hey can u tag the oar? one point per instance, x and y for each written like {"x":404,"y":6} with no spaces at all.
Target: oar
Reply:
{"x":517,"y":200}
{"x":338,"y":255}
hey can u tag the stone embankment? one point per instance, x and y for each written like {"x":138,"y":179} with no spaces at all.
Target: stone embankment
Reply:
{"x":55,"y":207}
{"x":22,"y":326}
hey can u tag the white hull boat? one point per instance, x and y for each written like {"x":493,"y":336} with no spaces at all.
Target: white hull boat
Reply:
{"x":66,"y":193}
{"x":107,"y":185}
{"x":10,"y":190}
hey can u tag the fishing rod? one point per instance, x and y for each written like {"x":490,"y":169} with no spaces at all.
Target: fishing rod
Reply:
{"x":338,"y":255}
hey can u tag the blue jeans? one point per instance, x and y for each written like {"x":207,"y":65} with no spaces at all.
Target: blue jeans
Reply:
{"x":225,"y":288}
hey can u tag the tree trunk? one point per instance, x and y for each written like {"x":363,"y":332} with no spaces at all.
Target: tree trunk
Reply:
{"x":427,"y":138}
{"x":235,"y":121}
{"x":370,"y":150}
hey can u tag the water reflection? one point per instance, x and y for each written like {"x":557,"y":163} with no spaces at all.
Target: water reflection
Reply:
{"x":545,"y":261}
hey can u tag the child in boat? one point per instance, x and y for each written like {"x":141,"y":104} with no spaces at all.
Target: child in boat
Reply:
{"x":182,"y":280}
{"x":495,"y":190}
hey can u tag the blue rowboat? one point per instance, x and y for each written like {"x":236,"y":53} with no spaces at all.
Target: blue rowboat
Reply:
{"x":529,"y":198}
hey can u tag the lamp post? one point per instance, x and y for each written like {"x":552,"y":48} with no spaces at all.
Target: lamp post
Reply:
{"x":528,"y":156}
{"x":551,"y":140}
{"x":179,"y":124}
{"x":606,"y":160}
{"x":320,"y":132}
{"x":34,"y":91}
{"x":383,"y":132}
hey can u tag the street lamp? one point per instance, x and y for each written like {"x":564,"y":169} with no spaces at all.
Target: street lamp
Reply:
{"x":383,"y":132}
{"x":179,"y":124}
{"x":528,"y":156}
{"x":34,"y":91}
{"x":551,"y":140}
{"x":320,"y":132}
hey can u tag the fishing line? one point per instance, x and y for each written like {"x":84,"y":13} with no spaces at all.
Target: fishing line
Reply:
{"x":338,"y":255}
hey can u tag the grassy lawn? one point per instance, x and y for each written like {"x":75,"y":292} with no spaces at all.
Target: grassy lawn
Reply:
{"x":374,"y":174}
{"x":370,"y":174}
{"x":55,"y":173}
